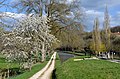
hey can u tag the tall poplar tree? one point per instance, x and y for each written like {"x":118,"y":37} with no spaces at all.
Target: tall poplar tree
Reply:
{"x":96,"y":36}
{"x":106,"y":30}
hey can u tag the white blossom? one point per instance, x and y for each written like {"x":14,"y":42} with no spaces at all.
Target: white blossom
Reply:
{"x":30,"y":34}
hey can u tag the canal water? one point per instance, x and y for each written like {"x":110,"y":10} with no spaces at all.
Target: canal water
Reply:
{"x":64,"y":56}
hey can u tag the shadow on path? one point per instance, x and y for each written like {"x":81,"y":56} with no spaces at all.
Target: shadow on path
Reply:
{"x":54,"y":74}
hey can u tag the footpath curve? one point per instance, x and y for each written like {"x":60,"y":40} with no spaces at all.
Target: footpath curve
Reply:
{"x":46,"y":72}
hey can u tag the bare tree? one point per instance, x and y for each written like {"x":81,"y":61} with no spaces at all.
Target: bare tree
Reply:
{"x":61,"y":13}
{"x":63,"y":17}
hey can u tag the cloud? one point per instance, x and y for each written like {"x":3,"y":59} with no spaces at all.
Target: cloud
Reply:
{"x":90,"y":15}
{"x":99,"y":4}
{"x":13,"y":1}
{"x":69,"y":0}
{"x":96,"y":8}
{"x":10,"y":18}
{"x":12,"y":15}
{"x":115,"y":20}
{"x":94,"y":13}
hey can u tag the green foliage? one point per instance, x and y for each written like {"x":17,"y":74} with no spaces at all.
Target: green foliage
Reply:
{"x":102,"y":47}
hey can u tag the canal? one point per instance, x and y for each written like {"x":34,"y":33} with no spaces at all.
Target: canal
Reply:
{"x":64,"y":56}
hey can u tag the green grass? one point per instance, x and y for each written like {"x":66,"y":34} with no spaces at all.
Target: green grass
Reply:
{"x":87,"y":69}
{"x":6,"y":65}
{"x":57,"y":57}
{"x":81,"y":57}
{"x":28,"y":74}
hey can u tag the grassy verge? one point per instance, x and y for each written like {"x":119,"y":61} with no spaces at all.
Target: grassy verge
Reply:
{"x":4,"y":64}
{"x":87,"y":69}
{"x":28,"y":74}
{"x":8,"y":65}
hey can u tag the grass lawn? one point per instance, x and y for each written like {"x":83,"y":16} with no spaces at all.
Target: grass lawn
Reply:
{"x":28,"y":74}
{"x":6,"y":65}
{"x":87,"y":69}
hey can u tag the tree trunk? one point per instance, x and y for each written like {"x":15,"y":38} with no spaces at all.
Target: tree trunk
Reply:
{"x":43,"y":52}
{"x":108,"y":55}
{"x":48,"y":52}
{"x":8,"y":73}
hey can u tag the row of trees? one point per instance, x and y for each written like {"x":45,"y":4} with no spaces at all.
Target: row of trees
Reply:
{"x":64,"y":23}
{"x":104,"y":40}
{"x":65,"y":18}
{"x":37,"y":33}
{"x":101,"y":39}
{"x":28,"y":40}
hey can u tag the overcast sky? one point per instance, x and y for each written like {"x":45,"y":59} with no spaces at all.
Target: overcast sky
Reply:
{"x":92,"y":9}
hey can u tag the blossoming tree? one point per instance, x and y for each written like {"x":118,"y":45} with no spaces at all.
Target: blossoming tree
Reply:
{"x":31,"y":36}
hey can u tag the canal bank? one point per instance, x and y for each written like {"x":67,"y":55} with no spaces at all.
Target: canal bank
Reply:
{"x":86,"y":69}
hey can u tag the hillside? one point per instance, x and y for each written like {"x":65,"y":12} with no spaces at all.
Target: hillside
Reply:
{"x":115,"y":29}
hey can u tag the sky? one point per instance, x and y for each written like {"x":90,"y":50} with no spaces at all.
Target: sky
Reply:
{"x":96,"y":8}
{"x":91,"y":8}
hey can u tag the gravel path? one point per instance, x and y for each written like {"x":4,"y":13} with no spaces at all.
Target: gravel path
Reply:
{"x":45,"y":73}
{"x":116,"y":61}
{"x":48,"y":72}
